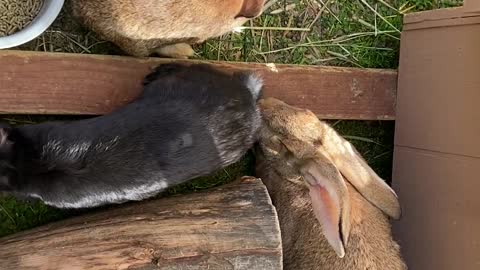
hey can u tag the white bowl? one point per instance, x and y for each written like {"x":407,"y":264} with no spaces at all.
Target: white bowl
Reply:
{"x":48,"y":13}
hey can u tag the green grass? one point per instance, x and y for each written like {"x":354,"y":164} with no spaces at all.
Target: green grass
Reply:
{"x":340,"y":33}
{"x":359,"y":33}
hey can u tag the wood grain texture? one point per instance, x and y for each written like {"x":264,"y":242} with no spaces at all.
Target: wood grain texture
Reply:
{"x":231,"y":227}
{"x":54,"y":83}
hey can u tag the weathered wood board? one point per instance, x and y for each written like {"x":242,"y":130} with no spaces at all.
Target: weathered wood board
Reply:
{"x":55,"y":83}
{"x":230,"y":227}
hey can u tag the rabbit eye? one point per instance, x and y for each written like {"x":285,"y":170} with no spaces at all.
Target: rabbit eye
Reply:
{"x":276,"y":140}
{"x":317,"y":143}
{"x":276,"y":143}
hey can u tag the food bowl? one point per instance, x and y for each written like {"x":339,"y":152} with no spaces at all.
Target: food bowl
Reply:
{"x":45,"y":17}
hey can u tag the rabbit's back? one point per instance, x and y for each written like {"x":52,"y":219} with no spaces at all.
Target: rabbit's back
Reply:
{"x":226,"y":104}
{"x":169,"y":20}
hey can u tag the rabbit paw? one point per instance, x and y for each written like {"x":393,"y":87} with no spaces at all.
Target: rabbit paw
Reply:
{"x":179,"y":50}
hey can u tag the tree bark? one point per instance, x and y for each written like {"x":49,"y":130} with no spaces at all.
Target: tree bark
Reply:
{"x":233,"y":226}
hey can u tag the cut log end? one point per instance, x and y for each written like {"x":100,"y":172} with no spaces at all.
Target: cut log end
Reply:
{"x":230,"y":227}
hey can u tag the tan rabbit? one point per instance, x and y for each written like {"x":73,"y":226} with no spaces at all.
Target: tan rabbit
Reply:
{"x":331,"y":204}
{"x":165,"y":27}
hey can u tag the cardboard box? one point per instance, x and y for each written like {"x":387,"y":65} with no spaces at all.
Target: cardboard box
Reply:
{"x":437,"y":139}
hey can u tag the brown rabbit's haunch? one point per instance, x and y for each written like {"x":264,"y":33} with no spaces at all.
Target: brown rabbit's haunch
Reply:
{"x":165,"y":27}
{"x":331,"y":205}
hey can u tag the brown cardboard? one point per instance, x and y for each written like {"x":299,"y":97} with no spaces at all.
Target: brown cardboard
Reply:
{"x":440,"y":198}
{"x":440,"y":18}
{"x":437,"y":140}
{"x":439,"y":89}
{"x":472,"y":5}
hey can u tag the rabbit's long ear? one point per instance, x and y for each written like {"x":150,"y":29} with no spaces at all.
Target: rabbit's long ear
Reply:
{"x":357,"y":172}
{"x":330,"y":201}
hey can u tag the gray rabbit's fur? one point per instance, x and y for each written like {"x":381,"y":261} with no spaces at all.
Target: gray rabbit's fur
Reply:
{"x":188,"y":122}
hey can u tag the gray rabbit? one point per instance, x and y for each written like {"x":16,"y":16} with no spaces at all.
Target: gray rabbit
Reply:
{"x":188,"y":122}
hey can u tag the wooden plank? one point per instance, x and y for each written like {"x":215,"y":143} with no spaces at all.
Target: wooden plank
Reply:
{"x":53,"y":83}
{"x":231,"y":227}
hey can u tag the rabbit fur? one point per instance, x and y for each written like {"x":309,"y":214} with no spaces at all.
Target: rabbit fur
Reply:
{"x":166,"y":27}
{"x":188,"y":122}
{"x":331,"y":205}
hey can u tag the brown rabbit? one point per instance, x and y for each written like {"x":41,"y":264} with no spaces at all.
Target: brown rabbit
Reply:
{"x":326,"y":222}
{"x":165,"y":27}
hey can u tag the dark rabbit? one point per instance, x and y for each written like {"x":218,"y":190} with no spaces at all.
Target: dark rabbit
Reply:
{"x":188,"y":122}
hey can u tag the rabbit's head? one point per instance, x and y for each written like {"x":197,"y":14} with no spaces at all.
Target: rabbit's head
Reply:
{"x":306,"y":151}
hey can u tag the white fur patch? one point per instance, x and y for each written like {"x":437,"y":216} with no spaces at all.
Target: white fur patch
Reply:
{"x":238,"y":29}
{"x":187,"y":140}
{"x":99,"y":198}
{"x":254,"y":83}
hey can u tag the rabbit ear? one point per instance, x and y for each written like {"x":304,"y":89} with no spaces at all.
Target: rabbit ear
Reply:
{"x":251,"y":9}
{"x":357,"y":172}
{"x":330,"y":201}
{"x":4,"y":133}
{"x":5,"y":140}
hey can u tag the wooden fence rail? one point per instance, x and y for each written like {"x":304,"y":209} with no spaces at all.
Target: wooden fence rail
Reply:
{"x":57,"y":83}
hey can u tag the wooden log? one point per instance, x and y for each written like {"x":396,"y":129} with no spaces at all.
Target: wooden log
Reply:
{"x":55,"y":83}
{"x":231,"y":227}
